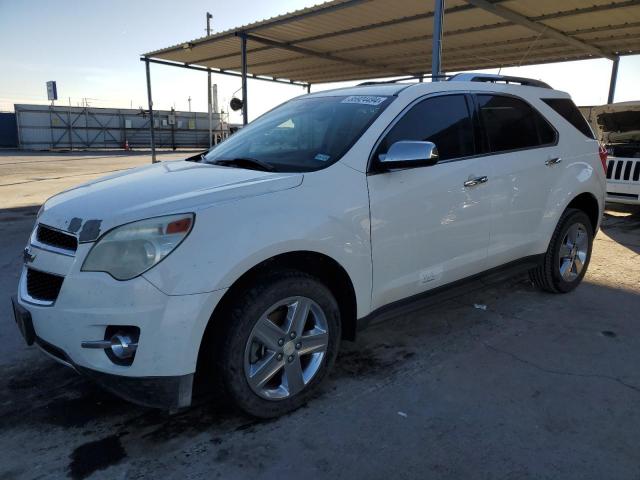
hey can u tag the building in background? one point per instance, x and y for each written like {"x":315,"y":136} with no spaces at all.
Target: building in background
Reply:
{"x":39,"y":127}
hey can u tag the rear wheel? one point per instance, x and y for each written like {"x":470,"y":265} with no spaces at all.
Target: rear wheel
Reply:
{"x":282,"y":338}
{"x":567,"y":258}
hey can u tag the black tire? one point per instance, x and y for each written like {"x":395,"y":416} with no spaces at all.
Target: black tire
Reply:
{"x":244,"y":314}
{"x":547,"y":276}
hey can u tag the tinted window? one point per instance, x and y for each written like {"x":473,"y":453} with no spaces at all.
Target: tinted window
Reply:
{"x":511,"y":124}
{"x":569,"y":111}
{"x":442,"y":120}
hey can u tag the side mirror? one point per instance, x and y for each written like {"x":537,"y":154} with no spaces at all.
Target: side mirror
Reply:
{"x":409,"y":154}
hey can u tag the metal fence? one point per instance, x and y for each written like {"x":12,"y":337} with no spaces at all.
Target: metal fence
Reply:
{"x":76,"y":128}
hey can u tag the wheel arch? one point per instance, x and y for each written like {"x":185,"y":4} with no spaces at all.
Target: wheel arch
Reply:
{"x":587,"y":203}
{"x":325,"y":268}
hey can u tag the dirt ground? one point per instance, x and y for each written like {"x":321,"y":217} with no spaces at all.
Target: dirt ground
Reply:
{"x":535,"y":386}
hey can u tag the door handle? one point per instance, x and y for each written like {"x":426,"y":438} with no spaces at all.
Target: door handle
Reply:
{"x":476,"y":181}
{"x":552,"y":161}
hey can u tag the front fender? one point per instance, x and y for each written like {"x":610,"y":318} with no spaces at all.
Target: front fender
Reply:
{"x":231,"y":238}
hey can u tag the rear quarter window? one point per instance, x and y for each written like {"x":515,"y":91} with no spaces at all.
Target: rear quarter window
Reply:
{"x":568,"y":110}
{"x":512,"y":124}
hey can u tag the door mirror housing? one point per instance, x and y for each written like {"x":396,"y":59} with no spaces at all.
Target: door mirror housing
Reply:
{"x":409,"y":154}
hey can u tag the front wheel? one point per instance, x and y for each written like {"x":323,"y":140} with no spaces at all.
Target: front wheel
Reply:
{"x":282,"y":338}
{"x":567,"y":258}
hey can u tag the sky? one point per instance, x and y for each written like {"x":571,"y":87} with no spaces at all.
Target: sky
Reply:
{"x":92,"y":49}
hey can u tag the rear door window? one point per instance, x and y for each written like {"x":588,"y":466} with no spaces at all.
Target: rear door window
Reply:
{"x":443,"y":120}
{"x":568,"y":110}
{"x":512,"y":124}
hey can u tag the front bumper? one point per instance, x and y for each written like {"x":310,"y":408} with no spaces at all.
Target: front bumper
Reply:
{"x":626,"y":196}
{"x":168,"y":392}
{"x":171,"y":329}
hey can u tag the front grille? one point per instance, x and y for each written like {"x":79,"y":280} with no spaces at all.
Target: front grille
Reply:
{"x":625,"y":170}
{"x":43,"y":286}
{"x":56,"y":238}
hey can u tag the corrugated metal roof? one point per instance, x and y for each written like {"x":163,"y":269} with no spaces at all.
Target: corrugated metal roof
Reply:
{"x":358,"y":39}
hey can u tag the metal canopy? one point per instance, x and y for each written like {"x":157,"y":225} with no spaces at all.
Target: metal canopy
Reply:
{"x":359,"y":39}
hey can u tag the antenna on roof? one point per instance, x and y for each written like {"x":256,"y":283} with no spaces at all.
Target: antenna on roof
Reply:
{"x":526,"y":54}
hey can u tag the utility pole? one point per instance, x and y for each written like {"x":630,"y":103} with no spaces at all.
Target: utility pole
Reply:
{"x":209,"y":16}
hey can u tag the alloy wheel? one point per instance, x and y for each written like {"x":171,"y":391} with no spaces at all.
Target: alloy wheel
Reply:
{"x":573,"y":252}
{"x":286,"y":348}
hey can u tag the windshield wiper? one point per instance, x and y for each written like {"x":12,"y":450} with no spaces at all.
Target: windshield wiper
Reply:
{"x":245,"y":162}
{"x":198,"y":157}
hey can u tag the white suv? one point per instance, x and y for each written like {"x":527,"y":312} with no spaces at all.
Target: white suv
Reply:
{"x":618,"y":128}
{"x":247,"y":265}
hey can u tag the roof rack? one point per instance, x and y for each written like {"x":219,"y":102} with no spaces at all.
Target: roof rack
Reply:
{"x":404,"y":79}
{"x":490,"y":78}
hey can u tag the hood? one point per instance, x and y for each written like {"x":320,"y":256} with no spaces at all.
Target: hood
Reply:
{"x":616,"y":122}
{"x":620,"y":127}
{"x":153,"y":190}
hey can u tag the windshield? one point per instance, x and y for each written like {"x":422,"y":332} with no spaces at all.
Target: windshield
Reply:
{"x":305,"y":134}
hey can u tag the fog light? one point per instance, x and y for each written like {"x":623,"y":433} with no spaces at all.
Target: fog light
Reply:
{"x":123,"y":346}
{"x":120,"y":344}
{"x":124,"y":343}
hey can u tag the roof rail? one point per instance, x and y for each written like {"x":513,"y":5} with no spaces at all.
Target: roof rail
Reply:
{"x":403,"y":79}
{"x":490,"y":78}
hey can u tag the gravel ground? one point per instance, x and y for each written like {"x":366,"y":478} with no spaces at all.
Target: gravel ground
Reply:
{"x":534,"y":386}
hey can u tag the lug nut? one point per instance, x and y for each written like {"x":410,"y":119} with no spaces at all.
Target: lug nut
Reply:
{"x":292,"y":335}
{"x":298,"y":346}
{"x":281,"y":342}
{"x":279,"y":357}
{"x":290,"y":358}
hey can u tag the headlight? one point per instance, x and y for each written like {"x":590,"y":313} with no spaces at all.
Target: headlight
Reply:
{"x":130,"y":250}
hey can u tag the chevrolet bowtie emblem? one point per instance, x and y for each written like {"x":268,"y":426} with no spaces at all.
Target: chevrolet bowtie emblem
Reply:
{"x":27,"y":256}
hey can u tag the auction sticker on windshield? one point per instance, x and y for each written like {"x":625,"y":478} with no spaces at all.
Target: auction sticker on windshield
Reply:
{"x":364,"y":99}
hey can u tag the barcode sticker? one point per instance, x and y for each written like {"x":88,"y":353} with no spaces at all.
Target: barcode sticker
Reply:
{"x":364,"y":100}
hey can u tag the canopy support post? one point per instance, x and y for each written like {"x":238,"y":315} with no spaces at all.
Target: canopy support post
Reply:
{"x":436,"y":49}
{"x":614,"y":79}
{"x":209,"y":99}
{"x":245,"y":113}
{"x":150,"y":100}
{"x":308,"y":88}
